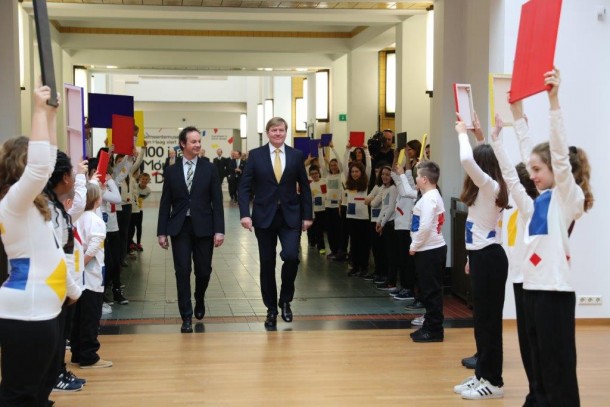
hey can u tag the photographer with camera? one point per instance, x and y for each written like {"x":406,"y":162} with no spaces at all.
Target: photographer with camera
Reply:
{"x":380,"y":148}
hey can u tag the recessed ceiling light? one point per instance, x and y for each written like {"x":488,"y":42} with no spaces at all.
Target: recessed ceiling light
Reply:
{"x":301,"y":69}
{"x":268,"y":69}
{"x":111,"y":67}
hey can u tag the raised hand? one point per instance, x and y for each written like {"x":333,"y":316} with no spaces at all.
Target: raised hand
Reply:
{"x":460,"y":126}
{"x":478,"y":133}
{"x":553,"y":79}
{"x":499,"y":124}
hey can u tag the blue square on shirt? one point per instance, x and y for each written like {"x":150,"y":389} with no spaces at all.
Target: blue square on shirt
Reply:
{"x":351,"y":208}
{"x":469,"y":226}
{"x":317,"y":201}
{"x":375,"y":212}
{"x":415,"y":223}
{"x":18,"y":277}
{"x":539,"y":224}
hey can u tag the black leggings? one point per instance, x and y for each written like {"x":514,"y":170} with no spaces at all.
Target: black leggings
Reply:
{"x":135,"y":225}
{"x":28,"y":349}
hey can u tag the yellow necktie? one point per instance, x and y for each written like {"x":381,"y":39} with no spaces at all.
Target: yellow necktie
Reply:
{"x":277,"y":165}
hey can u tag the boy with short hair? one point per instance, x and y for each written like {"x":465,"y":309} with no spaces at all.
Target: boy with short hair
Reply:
{"x":429,"y":250}
{"x":318,"y":196}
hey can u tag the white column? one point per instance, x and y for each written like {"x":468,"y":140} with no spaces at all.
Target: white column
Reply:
{"x":252,"y":100}
{"x":362,"y":91}
{"x":461,"y":38}
{"x":412,"y":103}
{"x":338,"y":102}
{"x":10,"y":99}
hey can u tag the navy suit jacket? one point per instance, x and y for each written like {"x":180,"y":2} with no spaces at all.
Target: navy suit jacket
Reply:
{"x":204,"y":201}
{"x":258,"y":177}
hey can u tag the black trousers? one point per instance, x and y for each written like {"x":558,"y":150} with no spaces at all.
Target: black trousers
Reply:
{"x":550,"y":324}
{"x":429,"y":266}
{"x":379,"y":254}
{"x":85,"y":328}
{"x":233,"y":182}
{"x":135,"y":226}
{"x":112,"y":262}
{"x":317,"y":229}
{"x":404,"y":262}
{"x":334,"y":230}
{"x":488,"y":273}
{"x":344,"y":242}
{"x":27,"y":352}
{"x":391,"y":247}
{"x":359,"y":237}
{"x":186,"y":246}
{"x":524,"y":345}
{"x":267,"y":243}
{"x":123,"y":218}
{"x":58,"y":365}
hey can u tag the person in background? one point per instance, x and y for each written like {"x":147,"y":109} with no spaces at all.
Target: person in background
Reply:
{"x":170,"y":160}
{"x":141,"y":191}
{"x":235,"y":169}
{"x":334,"y":191}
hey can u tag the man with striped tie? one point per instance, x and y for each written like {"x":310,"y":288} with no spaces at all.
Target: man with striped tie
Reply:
{"x":191,"y":213}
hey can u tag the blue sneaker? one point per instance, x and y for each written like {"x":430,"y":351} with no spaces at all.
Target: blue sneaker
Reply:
{"x":66,"y":384}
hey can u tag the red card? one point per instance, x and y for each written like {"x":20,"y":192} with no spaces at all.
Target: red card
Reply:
{"x":535,"y":47}
{"x":102,"y":165}
{"x":122,"y":134}
{"x":323,"y":188}
{"x":356,"y":138}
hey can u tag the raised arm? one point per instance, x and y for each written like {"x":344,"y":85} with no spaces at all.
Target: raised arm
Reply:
{"x":404,"y":182}
{"x":478,"y":176}
{"x":571,"y":194}
{"x":136,"y":165}
{"x":509,"y":173}
{"x":339,"y":163}
{"x":20,"y":196}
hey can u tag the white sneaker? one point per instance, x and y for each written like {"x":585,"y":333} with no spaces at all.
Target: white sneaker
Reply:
{"x":484,"y":390}
{"x":468,"y":383}
{"x":419,"y":321}
{"x":106,"y":309}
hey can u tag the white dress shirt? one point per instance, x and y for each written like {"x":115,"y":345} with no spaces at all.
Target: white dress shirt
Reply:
{"x":282,"y":155}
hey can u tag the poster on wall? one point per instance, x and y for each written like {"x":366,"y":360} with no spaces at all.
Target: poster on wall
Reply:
{"x":160,"y":141}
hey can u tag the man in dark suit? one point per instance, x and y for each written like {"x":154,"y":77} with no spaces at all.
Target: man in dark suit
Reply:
{"x":279,"y":211}
{"x":191,"y":213}
{"x":221,"y":163}
{"x":234,"y":171}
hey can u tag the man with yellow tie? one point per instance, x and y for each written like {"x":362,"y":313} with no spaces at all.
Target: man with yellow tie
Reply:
{"x":280,"y":210}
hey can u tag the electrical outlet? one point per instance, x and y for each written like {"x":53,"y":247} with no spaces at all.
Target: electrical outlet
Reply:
{"x":590,"y":300}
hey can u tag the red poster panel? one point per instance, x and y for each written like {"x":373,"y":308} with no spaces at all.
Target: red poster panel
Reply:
{"x":356,"y":138}
{"x":122,"y":134}
{"x":535,"y":51}
{"x":102,"y":165}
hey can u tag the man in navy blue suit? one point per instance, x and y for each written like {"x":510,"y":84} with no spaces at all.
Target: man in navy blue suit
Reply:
{"x":280,"y":210}
{"x":191,"y":213}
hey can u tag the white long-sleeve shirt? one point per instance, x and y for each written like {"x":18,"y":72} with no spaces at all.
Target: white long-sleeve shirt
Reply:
{"x":375,"y":204}
{"x":388,"y":204}
{"x":513,"y":220}
{"x":407,"y":194}
{"x":37,"y":284}
{"x":427,"y":222}
{"x":318,"y":194}
{"x":484,"y":221}
{"x":93,"y":231}
{"x":356,"y":209}
{"x":546,"y":263}
{"x":334,"y":184}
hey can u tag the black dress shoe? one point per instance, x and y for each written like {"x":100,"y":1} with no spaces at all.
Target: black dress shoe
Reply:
{"x":271,"y":320}
{"x":470,"y":362}
{"x":199,"y":310}
{"x":187,"y":326}
{"x":286,"y":312}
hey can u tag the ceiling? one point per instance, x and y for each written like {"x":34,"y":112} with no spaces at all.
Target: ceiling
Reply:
{"x":223,"y":36}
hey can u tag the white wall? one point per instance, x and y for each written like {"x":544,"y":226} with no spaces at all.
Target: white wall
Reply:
{"x":412,"y":102}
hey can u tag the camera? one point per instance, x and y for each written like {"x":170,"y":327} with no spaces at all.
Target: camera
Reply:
{"x":375,"y":143}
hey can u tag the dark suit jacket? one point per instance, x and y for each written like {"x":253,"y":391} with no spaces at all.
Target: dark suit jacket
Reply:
{"x":233,"y":166}
{"x":259,"y":175}
{"x":221,"y":164}
{"x":204,"y":201}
